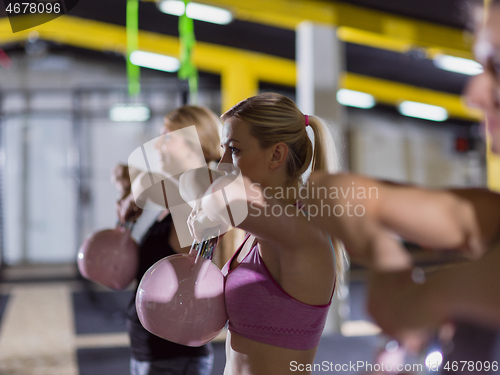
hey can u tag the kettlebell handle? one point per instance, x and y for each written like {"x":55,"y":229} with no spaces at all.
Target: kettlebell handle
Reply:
{"x":205,"y":248}
{"x":128,"y":225}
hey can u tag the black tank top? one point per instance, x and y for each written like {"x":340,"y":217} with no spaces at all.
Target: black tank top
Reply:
{"x":145,"y":346}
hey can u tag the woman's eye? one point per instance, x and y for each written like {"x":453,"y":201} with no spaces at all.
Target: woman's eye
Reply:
{"x":232,"y":149}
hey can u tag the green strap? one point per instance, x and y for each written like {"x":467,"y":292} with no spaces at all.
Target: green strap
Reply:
{"x":133,"y":71}
{"x":187,"y":68}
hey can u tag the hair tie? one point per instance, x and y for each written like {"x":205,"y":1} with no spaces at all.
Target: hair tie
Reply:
{"x":307,"y":120}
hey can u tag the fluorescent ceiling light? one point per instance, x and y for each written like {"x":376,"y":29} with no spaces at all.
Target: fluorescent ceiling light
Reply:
{"x":175,"y":8}
{"x":355,"y":99}
{"x":129,"y":113}
{"x":200,"y":12}
{"x":423,"y":111}
{"x":458,"y":65}
{"x":155,"y":61}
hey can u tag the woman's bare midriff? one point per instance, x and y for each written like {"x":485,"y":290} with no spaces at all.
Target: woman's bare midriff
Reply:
{"x":249,"y":357}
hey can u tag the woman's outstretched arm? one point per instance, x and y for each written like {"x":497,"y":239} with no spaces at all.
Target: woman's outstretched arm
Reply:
{"x":367,"y":213}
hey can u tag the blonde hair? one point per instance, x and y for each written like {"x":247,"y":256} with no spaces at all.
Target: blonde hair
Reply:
{"x":207,"y":126}
{"x":274,"y":118}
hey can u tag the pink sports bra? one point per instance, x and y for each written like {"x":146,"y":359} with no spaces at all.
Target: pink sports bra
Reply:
{"x":259,"y":309}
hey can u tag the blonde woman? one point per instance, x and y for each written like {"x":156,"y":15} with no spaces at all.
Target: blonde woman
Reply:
{"x":461,"y":219}
{"x":280,"y":282}
{"x":150,"y":354}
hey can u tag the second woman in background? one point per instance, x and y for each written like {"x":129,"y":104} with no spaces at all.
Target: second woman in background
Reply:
{"x":152,"y":355}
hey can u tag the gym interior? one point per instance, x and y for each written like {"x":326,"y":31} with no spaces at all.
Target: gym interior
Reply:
{"x":358,"y":64}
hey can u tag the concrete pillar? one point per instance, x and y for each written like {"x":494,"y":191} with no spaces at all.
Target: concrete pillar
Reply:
{"x":320,"y":59}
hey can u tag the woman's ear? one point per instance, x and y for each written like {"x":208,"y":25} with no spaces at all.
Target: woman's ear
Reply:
{"x":280,"y":152}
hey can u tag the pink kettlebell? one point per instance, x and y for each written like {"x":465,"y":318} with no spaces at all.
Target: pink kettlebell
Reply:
{"x":109,"y":257}
{"x":181,"y":297}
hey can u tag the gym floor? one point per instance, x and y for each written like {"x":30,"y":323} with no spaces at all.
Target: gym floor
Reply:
{"x":53,"y":323}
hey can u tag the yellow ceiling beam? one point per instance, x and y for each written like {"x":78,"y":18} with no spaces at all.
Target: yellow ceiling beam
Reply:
{"x":393,"y":93}
{"x":231,"y":63}
{"x":367,"y":38}
{"x":208,"y":57}
{"x":373,"y":28}
{"x":286,"y":14}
